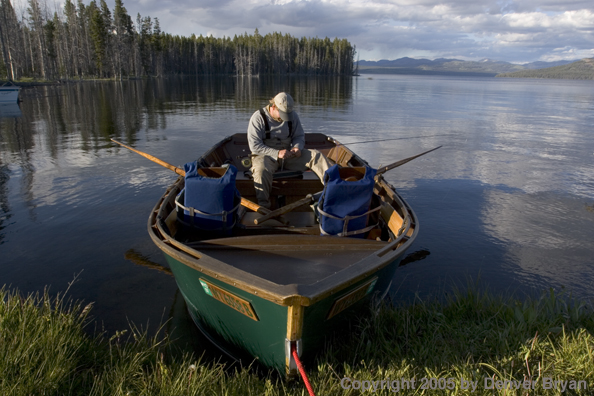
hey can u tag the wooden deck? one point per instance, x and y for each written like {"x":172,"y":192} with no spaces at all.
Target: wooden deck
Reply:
{"x":289,"y":259}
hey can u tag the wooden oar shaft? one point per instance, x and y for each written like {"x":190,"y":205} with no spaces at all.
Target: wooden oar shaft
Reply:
{"x":254,"y":206}
{"x":285,"y":209}
{"x":154,"y":159}
{"x":396,"y":164}
{"x":244,"y":202}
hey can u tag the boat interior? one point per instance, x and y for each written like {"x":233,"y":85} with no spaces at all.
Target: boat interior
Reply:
{"x":287,"y":249}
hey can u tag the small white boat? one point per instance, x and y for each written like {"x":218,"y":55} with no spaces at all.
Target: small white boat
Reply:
{"x":9,"y":93}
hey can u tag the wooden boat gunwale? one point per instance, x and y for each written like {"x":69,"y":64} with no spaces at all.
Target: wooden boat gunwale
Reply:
{"x":291,"y":295}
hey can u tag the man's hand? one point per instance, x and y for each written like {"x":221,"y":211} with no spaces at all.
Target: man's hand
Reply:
{"x":296,"y":152}
{"x":284,"y":154}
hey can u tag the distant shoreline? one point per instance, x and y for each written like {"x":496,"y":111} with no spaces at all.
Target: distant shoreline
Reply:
{"x":413,"y":71}
{"x":578,"y":70}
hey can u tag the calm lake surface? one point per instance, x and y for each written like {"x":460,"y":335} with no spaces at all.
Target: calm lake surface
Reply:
{"x":508,"y":200}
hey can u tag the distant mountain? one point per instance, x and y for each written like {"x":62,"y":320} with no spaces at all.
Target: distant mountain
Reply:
{"x":442,"y":66}
{"x":580,"y":70}
{"x":542,"y":65}
{"x":402,"y":62}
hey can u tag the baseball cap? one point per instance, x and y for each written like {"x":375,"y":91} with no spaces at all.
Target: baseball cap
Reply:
{"x":284,"y":104}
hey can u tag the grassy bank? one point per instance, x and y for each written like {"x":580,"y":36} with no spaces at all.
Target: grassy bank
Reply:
{"x":44,"y":350}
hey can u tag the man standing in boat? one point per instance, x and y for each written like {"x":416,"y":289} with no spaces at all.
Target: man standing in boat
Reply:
{"x":276,"y":139}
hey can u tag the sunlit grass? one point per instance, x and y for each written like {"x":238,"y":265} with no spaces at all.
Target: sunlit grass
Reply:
{"x":473,"y":336}
{"x":45,"y":350}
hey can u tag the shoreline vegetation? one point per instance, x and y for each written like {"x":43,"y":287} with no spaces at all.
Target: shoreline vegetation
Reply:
{"x":79,"y":41}
{"x":472,"y":336}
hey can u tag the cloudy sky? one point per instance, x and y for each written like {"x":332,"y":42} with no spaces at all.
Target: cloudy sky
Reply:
{"x":511,"y":30}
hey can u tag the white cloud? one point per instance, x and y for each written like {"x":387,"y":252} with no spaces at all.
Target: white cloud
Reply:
{"x":511,"y":30}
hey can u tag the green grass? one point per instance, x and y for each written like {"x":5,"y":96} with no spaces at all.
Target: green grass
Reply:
{"x":45,"y":350}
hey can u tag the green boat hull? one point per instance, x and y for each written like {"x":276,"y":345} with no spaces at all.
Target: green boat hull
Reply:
{"x":265,"y":340}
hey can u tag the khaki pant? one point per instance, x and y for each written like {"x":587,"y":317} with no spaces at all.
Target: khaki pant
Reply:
{"x":264,"y":166}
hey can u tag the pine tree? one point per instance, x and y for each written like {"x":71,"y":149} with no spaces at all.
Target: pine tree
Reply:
{"x":83,"y":41}
{"x":10,"y":40}
{"x":123,"y":39}
{"x":38,"y":50}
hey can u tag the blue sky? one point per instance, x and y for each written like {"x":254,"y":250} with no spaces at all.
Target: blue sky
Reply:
{"x":513,"y":31}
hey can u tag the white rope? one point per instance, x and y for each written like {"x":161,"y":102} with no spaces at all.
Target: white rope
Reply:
{"x":346,"y":220}
{"x":192,"y":211}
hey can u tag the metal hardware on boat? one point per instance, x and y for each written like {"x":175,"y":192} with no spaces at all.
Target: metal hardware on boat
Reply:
{"x":246,"y":162}
{"x":301,"y":369}
{"x":299,"y":347}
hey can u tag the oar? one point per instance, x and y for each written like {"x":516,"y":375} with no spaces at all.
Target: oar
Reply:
{"x":287,"y":208}
{"x":244,"y":202}
{"x":396,"y":164}
{"x":139,"y":259}
{"x":154,"y":159}
{"x":309,"y":197}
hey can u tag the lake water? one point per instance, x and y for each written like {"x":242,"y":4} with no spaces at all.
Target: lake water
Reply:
{"x":508,"y":199}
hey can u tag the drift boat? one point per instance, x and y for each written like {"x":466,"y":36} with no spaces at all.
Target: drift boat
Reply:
{"x":266,"y":288}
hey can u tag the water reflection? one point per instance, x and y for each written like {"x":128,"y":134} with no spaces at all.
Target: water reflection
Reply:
{"x":543,"y":232}
{"x":93,"y":112}
{"x":508,"y":197}
{"x":5,"y":214}
{"x":70,"y":201}
{"x":139,"y":259}
{"x":10,"y":110}
{"x":415,"y":256}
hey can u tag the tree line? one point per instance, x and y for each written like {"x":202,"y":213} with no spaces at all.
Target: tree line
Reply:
{"x":91,"y":41}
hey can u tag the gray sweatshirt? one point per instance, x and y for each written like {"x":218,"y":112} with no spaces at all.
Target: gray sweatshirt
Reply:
{"x":279,"y":135}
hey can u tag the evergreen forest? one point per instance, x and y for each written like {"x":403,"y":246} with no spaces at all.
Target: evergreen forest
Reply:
{"x":91,"y":41}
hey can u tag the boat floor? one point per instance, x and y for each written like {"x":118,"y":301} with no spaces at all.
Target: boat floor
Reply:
{"x":287,"y":252}
{"x":289,"y":259}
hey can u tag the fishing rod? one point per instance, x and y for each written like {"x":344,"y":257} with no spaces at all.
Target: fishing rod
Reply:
{"x":401,"y":138}
{"x":311,"y":197}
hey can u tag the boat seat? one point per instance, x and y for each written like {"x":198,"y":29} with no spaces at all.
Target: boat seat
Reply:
{"x":287,"y":174}
{"x":283,"y":174}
